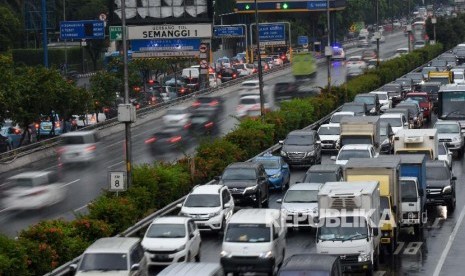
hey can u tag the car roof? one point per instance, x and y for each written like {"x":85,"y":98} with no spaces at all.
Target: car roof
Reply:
{"x":171,"y":219}
{"x":112,"y":245}
{"x":384,"y":161}
{"x":356,"y":147}
{"x":243,"y":165}
{"x":255,"y":216}
{"x":302,"y":132}
{"x":305,"y":186}
{"x":207,"y":189}
{"x":324,"y":167}
{"x":190,"y":269}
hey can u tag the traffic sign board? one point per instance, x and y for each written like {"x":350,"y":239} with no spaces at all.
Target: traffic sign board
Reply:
{"x":170,"y":31}
{"x":228,"y":31}
{"x":302,"y":40}
{"x":203,"y":48}
{"x":116,"y":32}
{"x":204,"y":64}
{"x":102,"y":17}
{"x":84,"y":29}
{"x":271,"y":32}
{"x":117,"y":181}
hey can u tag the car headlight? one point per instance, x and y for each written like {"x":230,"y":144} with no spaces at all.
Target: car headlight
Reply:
{"x":373,"y":110}
{"x":266,"y":255}
{"x":455,"y":139}
{"x":415,"y":118}
{"x":214,"y":214}
{"x":250,"y":189}
{"x":276,"y":175}
{"x":283,"y":153}
{"x":181,"y":248}
{"x":225,"y":254}
{"x":310,"y":153}
{"x":447,"y":190}
{"x":363,"y":257}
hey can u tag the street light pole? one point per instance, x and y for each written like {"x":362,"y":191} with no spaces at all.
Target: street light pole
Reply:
{"x":127,"y":125}
{"x":66,"y":46}
{"x":433,"y":20}
{"x":259,"y":59}
{"x":378,"y":34}
{"x":328,"y":51}
{"x":44,"y":32}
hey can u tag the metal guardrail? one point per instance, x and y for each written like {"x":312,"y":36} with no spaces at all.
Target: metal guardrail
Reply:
{"x":145,"y":222}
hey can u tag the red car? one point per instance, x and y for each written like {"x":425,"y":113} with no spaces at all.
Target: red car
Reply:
{"x":424,"y":101}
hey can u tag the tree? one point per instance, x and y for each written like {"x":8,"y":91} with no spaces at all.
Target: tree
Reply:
{"x":10,"y":27}
{"x":103,"y":88}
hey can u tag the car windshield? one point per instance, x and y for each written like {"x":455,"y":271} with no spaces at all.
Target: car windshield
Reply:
{"x":353,"y":108}
{"x":394,"y":122}
{"x":301,"y":196}
{"x":447,"y":128}
{"x":320,"y":177}
{"x":249,"y":84}
{"x":253,"y":233}
{"x":249,"y":101}
{"x":269,"y":163}
{"x":336,"y":118}
{"x":353,"y":228}
{"x":166,"y":231}
{"x":347,"y":154}
{"x":24,"y":182}
{"x":408,"y":191}
{"x":420,"y":99}
{"x":365,"y":99}
{"x":299,"y":140}
{"x":73,"y":140}
{"x":199,"y":119}
{"x":199,"y":200}
{"x":104,"y":262}
{"x":239,"y":174}
{"x":325,"y":130}
{"x":382,"y":96}
{"x":437,"y":173}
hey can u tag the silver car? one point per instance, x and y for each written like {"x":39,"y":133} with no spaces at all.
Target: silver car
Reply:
{"x":449,"y":132}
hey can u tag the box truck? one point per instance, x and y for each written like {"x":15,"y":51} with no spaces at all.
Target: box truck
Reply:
{"x":417,"y":141}
{"x":360,"y":130}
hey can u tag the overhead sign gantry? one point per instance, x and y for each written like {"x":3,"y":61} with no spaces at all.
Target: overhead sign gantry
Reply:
{"x":248,"y":6}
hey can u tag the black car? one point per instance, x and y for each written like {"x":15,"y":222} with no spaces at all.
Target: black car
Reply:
{"x":323,"y":173}
{"x":359,"y":109}
{"x":247,"y":182}
{"x":301,"y":148}
{"x":227,"y":74}
{"x":460,"y":55}
{"x":440,"y":185}
{"x":417,"y":77}
{"x":284,"y":91}
{"x":386,"y":138}
{"x":406,"y":84}
{"x":169,"y":139}
{"x":204,"y":123}
{"x":211,"y":103}
{"x":372,"y":102}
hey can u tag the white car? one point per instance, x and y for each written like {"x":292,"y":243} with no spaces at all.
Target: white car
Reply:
{"x":89,"y":119}
{"x":396,"y":120}
{"x":329,"y":135}
{"x":337,"y":116}
{"x":210,"y":206}
{"x":172,"y":239}
{"x":250,"y":106}
{"x":33,"y":190}
{"x":383,"y":98}
{"x":177,"y":117}
{"x":214,"y":81}
{"x":354,"y":151}
{"x":445,"y":154}
{"x":382,"y":39}
{"x":250,"y":84}
{"x":401,"y":52}
{"x":338,"y":54}
{"x":78,"y":146}
{"x":356,"y":61}
{"x":300,"y":204}
{"x":277,"y":61}
{"x":244,"y":69}
{"x":459,"y":75}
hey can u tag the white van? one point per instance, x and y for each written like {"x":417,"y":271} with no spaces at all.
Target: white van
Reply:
{"x":459,"y":75}
{"x":190,"y":73}
{"x":78,"y":146}
{"x":254,"y":241}
{"x":192,"y":269}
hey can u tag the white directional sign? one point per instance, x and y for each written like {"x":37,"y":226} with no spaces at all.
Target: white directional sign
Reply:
{"x":170,"y":31}
{"x":117,"y":181}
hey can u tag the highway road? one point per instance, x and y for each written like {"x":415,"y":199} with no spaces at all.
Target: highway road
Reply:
{"x":86,"y":183}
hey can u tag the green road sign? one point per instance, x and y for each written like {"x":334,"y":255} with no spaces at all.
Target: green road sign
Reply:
{"x":116,"y":33}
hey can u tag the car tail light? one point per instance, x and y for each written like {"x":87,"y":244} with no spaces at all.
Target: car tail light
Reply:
{"x":91,"y":148}
{"x":17,"y":131}
{"x":187,"y":126}
{"x":196,"y":104}
{"x":57,"y":124}
{"x":175,"y":139}
{"x":150,"y":140}
{"x":61,"y":150}
{"x":234,"y":75}
{"x":153,"y":99}
{"x":214,"y":103}
{"x":239,"y":107}
{"x":255,"y":70}
{"x":37,"y":126}
{"x":106,"y":109}
{"x":209,"y":125}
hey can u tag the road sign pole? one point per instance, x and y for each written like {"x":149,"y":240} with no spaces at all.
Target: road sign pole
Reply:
{"x":259,"y":59}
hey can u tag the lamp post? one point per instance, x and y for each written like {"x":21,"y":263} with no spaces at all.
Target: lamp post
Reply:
{"x":44,"y":32}
{"x":409,"y":33}
{"x":377,"y":34}
{"x":328,"y":50}
{"x":433,"y":21}
{"x":259,"y":59}
{"x":66,"y":46}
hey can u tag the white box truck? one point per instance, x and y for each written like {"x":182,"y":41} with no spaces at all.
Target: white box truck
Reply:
{"x":417,"y":141}
{"x":360,"y":130}
{"x":348,"y":224}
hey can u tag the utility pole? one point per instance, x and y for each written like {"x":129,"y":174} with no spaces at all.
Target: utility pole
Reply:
{"x":378,"y":34}
{"x":328,"y":50}
{"x":127,"y":125}
{"x":259,"y":59}
{"x":433,"y":21}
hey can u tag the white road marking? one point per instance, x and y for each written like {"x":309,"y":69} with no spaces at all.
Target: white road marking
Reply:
{"x":437,"y":271}
{"x":4,"y":210}
{"x":116,"y":164}
{"x":80,"y":208}
{"x":69,"y":183}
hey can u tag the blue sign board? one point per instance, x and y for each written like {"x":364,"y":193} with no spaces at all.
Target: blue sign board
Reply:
{"x":272,"y":32}
{"x":315,"y":5}
{"x":302,"y":40}
{"x":165,"y":45}
{"x":85,"y":29}
{"x":228,"y":31}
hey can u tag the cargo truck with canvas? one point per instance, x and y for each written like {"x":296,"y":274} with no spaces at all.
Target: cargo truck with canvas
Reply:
{"x":417,"y":141}
{"x":384,"y":169}
{"x":348,"y":224}
{"x":303,"y":65}
{"x":360,"y":130}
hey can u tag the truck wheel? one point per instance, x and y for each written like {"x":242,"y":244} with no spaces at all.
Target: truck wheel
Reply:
{"x":417,"y":230}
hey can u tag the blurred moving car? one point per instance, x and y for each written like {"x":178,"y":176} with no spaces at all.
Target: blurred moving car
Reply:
{"x":113,"y":256}
{"x":227,"y":74}
{"x":355,"y":61}
{"x":78,"y":146}
{"x":177,"y":117}
{"x":204,"y":123}
{"x":208,"y":103}
{"x":33,"y":190}
{"x":353,"y":72}
{"x":169,"y":139}
{"x":244,"y":69}
{"x":338,"y":53}
{"x":249,"y":105}
{"x":277,"y":170}
{"x":369,"y":54}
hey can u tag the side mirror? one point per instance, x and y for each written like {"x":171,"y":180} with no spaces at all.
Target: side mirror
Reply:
{"x":227,"y":205}
{"x":454,"y":178}
{"x":316,"y":220}
{"x":333,"y":158}
{"x":135,"y":267}
{"x":179,"y":205}
{"x":420,"y":192}
{"x":73,"y":267}
{"x":375,"y":231}
{"x":281,"y":142}
{"x":191,"y":235}
{"x":279,"y":200}
{"x":217,"y":178}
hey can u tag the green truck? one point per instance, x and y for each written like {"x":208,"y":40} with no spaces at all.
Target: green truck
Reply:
{"x":303,"y":65}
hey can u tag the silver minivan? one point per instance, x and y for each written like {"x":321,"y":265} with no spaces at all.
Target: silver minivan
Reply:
{"x":78,"y":146}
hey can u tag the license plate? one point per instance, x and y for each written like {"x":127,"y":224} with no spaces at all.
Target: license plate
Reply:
{"x":161,"y":257}
{"x":47,"y":127}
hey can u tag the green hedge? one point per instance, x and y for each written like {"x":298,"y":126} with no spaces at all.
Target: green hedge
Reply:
{"x":44,"y":246}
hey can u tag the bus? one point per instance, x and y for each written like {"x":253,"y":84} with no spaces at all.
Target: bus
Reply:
{"x":303,"y":65}
{"x":451,"y":103}
{"x":419,"y":32}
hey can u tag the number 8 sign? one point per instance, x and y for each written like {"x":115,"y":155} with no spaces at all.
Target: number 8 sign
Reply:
{"x":117,"y":181}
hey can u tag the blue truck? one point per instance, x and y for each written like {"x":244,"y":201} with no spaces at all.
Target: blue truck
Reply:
{"x":412,"y":181}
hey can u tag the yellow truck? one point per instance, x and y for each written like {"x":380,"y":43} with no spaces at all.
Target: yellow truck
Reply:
{"x":444,"y":77}
{"x":385,"y":170}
